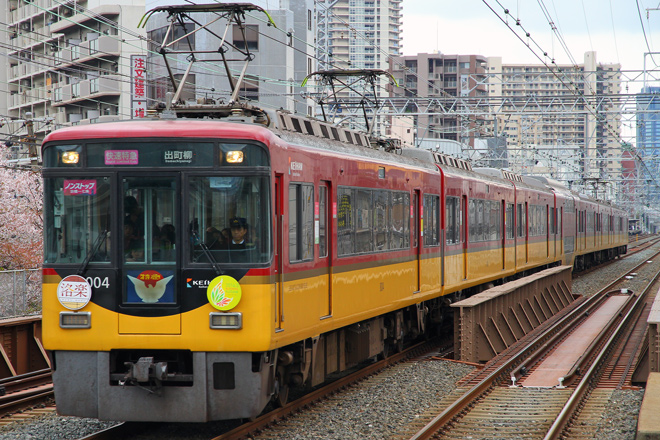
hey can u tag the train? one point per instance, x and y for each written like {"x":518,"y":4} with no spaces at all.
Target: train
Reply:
{"x":200,"y":269}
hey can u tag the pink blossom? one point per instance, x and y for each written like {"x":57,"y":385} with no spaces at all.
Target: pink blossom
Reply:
{"x":21,"y":215}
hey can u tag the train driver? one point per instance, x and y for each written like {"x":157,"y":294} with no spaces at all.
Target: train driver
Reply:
{"x":238,"y":226}
{"x":239,"y":248}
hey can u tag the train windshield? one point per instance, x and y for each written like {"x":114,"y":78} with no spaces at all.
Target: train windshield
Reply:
{"x":229,"y":219}
{"x":77,"y":219}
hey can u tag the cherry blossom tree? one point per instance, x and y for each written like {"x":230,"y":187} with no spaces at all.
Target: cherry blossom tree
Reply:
{"x":21,"y":219}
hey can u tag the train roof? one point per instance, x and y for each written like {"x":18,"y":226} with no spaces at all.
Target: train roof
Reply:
{"x":518,"y":180}
{"x":208,"y":128}
{"x":161,"y":128}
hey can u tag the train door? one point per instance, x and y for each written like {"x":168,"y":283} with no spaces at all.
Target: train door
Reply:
{"x":526,"y":231}
{"x":149,"y":255}
{"x":546,"y":216}
{"x":417,"y":218}
{"x":464,"y":234}
{"x":503,"y":220}
{"x":278,"y":236}
{"x":324,"y":243}
{"x":578,"y":229}
{"x":560,"y":229}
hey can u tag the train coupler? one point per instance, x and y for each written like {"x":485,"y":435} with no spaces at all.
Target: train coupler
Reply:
{"x":144,"y":371}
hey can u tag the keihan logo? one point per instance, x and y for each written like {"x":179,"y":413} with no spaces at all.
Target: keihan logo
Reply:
{"x":224,"y":293}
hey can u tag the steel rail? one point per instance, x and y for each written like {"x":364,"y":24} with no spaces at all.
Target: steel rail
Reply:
{"x":460,"y":405}
{"x":265,"y":420}
{"x":589,"y":378}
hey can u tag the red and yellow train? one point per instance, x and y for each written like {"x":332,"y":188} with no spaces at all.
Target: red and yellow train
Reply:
{"x":196,"y":270}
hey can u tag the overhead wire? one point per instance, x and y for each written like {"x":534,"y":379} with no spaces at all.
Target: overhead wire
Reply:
{"x":89,"y":13}
{"x":573,"y":90}
{"x":358,"y":33}
{"x":641,"y":22}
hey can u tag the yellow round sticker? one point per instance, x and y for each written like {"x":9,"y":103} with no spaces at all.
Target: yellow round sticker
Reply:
{"x":224,"y":292}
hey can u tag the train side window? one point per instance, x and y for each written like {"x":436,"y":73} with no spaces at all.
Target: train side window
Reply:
{"x":452,"y":215}
{"x":364,"y":240}
{"x":522,"y":219}
{"x":510,"y":231}
{"x":553,"y":221}
{"x":372,"y":220}
{"x":301,"y":222}
{"x":492,"y":220}
{"x":400,"y":221}
{"x":431,"y":220}
{"x":472,"y":220}
{"x":481,"y":225}
{"x":381,"y":214}
{"x":479,"y":215}
{"x":345,"y":221}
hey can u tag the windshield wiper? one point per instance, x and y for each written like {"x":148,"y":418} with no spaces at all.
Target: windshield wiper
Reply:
{"x":208,"y":254}
{"x":95,"y":247}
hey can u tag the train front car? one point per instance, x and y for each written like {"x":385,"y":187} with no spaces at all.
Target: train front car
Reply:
{"x":157,"y":294}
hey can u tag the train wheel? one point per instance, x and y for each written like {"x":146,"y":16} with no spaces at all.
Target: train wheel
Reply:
{"x":282,"y":394}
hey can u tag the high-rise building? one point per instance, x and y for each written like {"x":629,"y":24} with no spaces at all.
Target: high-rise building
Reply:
{"x":561,"y":118}
{"x":648,"y":141}
{"x":359,"y":34}
{"x":438,"y":75}
{"x":67,"y":62}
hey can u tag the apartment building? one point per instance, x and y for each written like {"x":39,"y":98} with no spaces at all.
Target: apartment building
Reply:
{"x":67,"y":61}
{"x":561,"y":117}
{"x":359,"y":34}
{"x":648,"y":141}
{"x":438,"y":75}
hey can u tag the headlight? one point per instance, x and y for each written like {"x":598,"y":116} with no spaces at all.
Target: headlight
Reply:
{"x":70,"y":157}
{"x":234,"y":157}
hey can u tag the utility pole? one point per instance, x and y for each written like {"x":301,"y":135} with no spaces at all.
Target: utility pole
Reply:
{"x":31,"y":139}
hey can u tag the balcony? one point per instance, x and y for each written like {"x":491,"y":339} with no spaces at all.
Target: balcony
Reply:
{"x":88,"y":50}
{"x":78,"y":19}
{"x":105,"y":85}
{"x":29,"y":97}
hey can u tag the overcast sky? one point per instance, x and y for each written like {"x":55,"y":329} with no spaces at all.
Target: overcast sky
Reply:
{"x":612,"y":28}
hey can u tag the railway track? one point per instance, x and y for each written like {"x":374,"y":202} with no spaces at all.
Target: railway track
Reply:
{"x":278,"y":418}
{"x":490,"y":406}
{"x":616,"y":375}
{"x":25,"y":391}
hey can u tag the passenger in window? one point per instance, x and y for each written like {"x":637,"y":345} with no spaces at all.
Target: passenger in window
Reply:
{"x":134,"y":212}
{"x":215,"y":239}
{"x":134,"y":217}
{"x":164,"y":242}
{"x":136,"y":253}
{"x":129,"y":236}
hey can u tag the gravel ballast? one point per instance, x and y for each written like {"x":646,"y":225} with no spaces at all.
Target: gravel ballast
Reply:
{"x":377,"y":408}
